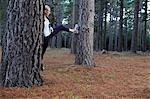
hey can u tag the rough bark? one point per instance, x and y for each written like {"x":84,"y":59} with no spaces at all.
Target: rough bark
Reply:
{"x":84,"y":54}
{"x":3,"y":6}
{"x":21,"y":47}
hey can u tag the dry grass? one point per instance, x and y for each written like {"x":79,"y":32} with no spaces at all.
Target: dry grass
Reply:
{"x":116,"y":76}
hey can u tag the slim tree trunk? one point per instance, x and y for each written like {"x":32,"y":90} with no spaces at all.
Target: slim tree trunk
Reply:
{"x":75,"y":21}
{"x":120,"y":36}
{"x":105,"y":26}
{"x":145,"y":27}
{"x":135,"y":28}
{"x":53,"y":42}
{"x":116,"y":35}
{"x":58,"y":12}
{"x":21,"y":49}
{"x":126,"y":36}
{"x":100,"y":33}
{"x":110,"y":46}
{"x":84,"y":54}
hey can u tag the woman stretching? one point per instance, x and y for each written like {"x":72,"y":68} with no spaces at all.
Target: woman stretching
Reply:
{"x":49,"y":32}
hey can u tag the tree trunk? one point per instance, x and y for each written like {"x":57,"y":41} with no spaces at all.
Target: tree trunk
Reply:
{"x":99,"y":34}
{"x":59,"y":16}
{"x":145,"y":27}
{"x":21,"y":48}
{"x":3,"y":6}
{"x":126,"y":36}
{"x":110,"y":46}
{"x":84,"y":54}
{"x":116,"y":35}
{"x":120,"y":36}
{"x":75,"y":21}
{"x":100,"y":44}
{"x":105,"y":26}
{"x":135,"y":28}
{"x":53,"y":42}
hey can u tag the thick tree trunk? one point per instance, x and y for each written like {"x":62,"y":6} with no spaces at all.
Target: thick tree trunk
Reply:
{"x":84,"y":54}
{"x":135,"y":29}
{"x":3,"y":6}
{"x":21,"y":49}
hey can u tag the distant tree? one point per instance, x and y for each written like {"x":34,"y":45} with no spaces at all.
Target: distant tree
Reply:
{"x":110,"y":44}
{"x":145,"y":26}
{"x":100,"y":21}
{"x":129,"y":16}
{"x":99,"y":33}
{"x":116,"y":35}
{"x":112,"y":25}
{"x":135,"y":29}
{"x":120,"y":37}
{"x":84,"y":55}
{"x":126,"y":35}
{"x":105,"y":24}
{"x":59,"y":17}
{"x":75,"y":21}
{"x":21,"y":46}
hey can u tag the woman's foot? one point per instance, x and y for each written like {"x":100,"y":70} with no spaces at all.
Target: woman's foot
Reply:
{"x":75,"y":30}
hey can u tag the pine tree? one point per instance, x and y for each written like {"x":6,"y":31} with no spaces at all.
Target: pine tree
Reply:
{"x":135,"y":29}
{"x":21,"y":46}
{"x":84,"y":54}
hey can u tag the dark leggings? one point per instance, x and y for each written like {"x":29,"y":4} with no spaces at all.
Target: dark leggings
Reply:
{"x":57,"y":29}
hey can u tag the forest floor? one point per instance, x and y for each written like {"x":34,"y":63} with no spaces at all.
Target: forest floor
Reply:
{"x":116,"y":76}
